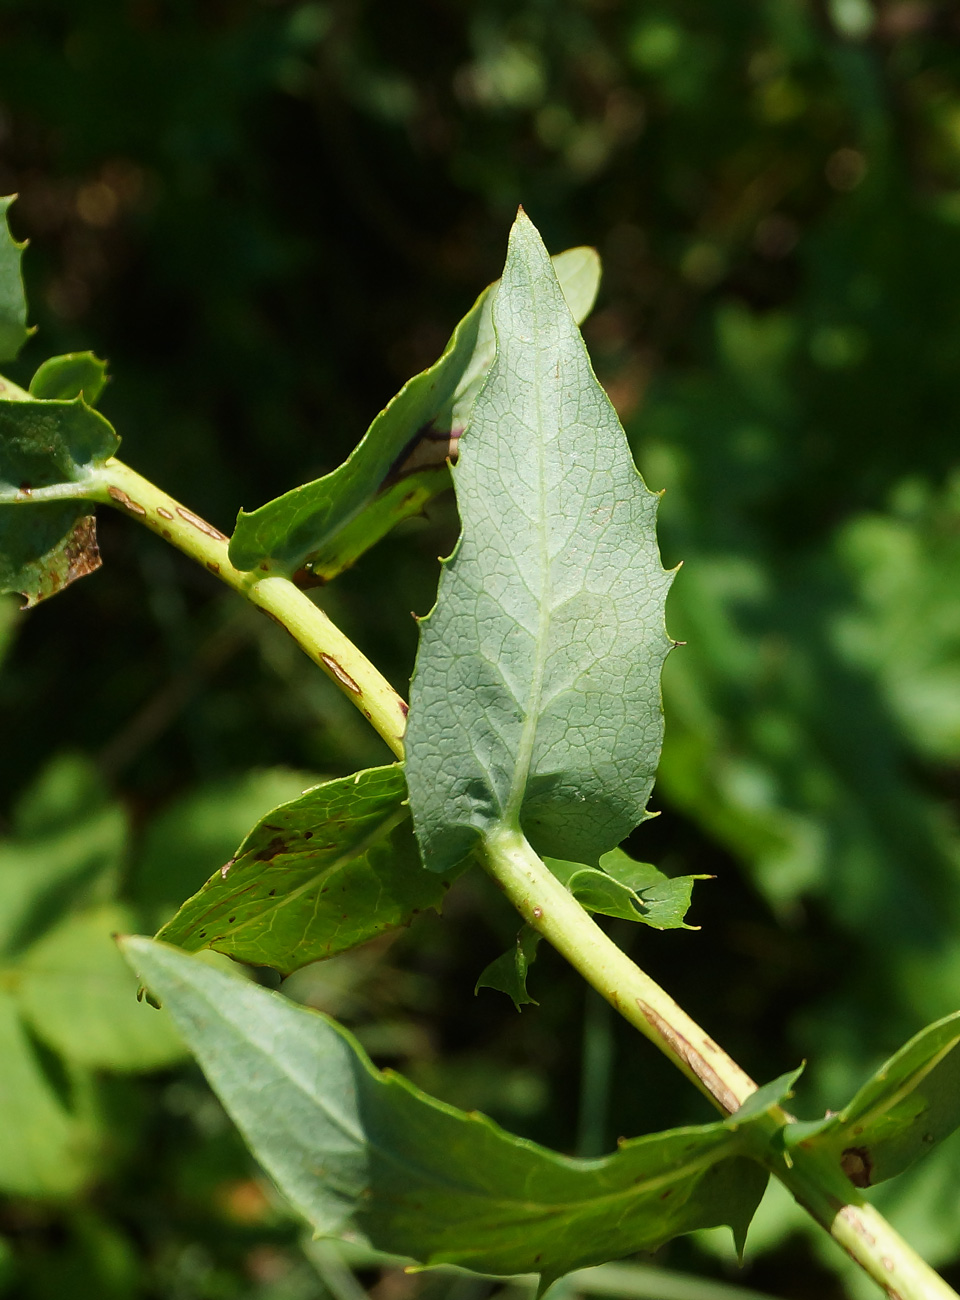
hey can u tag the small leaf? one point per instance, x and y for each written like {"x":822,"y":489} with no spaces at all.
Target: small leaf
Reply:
{"x":49,"y":454}
{"x":79,"y":996}
{"x":364,"y":1153}
{"x":508,"y":973}
{"x":401,"y":462}
{"x":910,"y":1104}
{"x":75,"y":374}
{"x":633,"y":891}
{"x":315,"y":877}
{"x":13,"y":302}
{"x":49,"y":1137}
{"x":536,"y":698}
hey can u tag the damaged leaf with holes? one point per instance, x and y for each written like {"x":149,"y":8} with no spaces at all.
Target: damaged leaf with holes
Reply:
{"x":316,"y":876}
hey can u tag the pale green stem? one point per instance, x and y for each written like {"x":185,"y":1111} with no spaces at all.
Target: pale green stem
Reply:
{"x":120,"y":486}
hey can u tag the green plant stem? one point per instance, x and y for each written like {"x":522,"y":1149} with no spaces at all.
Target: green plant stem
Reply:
{"x":549,"y":907}
{"x":545,"y":904}
{"x":119,"y":486}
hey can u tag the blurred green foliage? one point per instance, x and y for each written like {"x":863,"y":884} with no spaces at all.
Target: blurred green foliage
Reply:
{"x":268,"y":215}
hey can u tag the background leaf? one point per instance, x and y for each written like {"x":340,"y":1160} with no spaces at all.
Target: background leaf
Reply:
{"x":316,"y":876}
{"x":536,"y":697}
{"x":401,"y":462}
{"x":898,"y":1116}
{"x":79,"y":996}
{"x":13,"y":302}
{"x":50,"y":1135}
{"x":366,"y":1153}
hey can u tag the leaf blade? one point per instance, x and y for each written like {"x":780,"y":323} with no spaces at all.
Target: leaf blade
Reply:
{"x":366,"y":1153}
{"x":317,"y":876}
{"x":548,"y":618}
{"x":908,"y":1106}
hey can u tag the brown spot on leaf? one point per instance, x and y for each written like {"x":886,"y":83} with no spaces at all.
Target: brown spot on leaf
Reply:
{"x":857,"y":1165}
{"x":224,"y":870}
{"x":277,"y":845}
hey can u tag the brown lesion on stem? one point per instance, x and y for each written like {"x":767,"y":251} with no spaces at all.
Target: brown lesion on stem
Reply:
{"x":200,"y":524}
{"x":123,"y":499}
{"x":340,"y":673}
{"x":695,"y":1058}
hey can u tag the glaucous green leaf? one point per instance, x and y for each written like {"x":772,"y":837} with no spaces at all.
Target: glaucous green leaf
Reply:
{"x":75,"y":374}
{"x":49,"y":1128}
{"x":536,"y":697}
{"x":402,"y":460}
{"x":13,"y":302}
{"x":364,"y":1153}
{"x":49,"y":452}
{"x":315,"y":877}
{"x":508,"y":973}
{"x":910,"y":1104}
{"x":79,"y":997}
{"x":633,"y":891}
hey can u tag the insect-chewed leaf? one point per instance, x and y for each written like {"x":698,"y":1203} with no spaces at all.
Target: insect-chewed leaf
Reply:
{"x":53,"y":448}
{"x":402,"y":460}
{"x":536,"y":697}
{"x":362,"y":1152}
{"x":910,"y":1104}
{"x":315,"y":877}
{"x":633,"y":891}
{"x":74,"y":374}
{"x":13,"y":302}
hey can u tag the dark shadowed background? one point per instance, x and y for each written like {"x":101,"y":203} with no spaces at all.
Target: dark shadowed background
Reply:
{"x":267,"y":216}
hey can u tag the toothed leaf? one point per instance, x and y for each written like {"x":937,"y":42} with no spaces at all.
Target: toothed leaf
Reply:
{"x":633,"y":891}
{"x":536,"y":698}
{"x":365,"y":1153}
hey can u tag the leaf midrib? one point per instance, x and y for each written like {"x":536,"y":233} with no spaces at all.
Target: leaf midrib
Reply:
{"x":528,"y":734}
